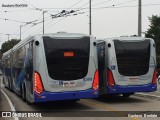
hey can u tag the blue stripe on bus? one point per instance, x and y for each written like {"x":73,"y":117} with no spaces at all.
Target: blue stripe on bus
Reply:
{"x":127,"y":89}
{"x":53,"y":96}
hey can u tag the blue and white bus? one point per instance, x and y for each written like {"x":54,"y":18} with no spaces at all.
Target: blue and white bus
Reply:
{"x":126,"y":65}
{"x":51,"y":67}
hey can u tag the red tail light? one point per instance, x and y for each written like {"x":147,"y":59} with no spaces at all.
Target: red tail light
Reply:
{"x":38,"y":86}
{"x":95,"y":84}
{"x":154,"y":80}
{"x":111,"y":82}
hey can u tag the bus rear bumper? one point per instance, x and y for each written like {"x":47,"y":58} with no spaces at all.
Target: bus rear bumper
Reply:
{"x":55,"y":96}
{"x":131,"y":89}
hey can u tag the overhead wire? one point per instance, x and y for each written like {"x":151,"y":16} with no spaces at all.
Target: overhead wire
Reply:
{"x":101,"y":3}
{"x":126,"y":6}
{"x":63,"y":17}
{"x":32,"y":6}
{"x":81,"y":8}
{"x":6,"y":19}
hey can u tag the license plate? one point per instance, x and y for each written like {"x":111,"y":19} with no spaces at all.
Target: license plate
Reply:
{"x":133,"y":81}
{"x":69,"y":84}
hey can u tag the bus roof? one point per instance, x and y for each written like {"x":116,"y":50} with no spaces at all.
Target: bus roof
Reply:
{"x":126,"y":38}
{"x":56,"y":35}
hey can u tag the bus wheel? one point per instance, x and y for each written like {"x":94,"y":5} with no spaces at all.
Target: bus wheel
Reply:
{"x":29,"y":103}
{"x":126,"y":95}
{"x":24,"y":93}
{"x":73,"y":101}
{"x":3,"y":81}
{"x":9,"y":85}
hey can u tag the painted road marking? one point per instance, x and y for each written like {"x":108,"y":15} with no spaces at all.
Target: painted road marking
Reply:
{"x":148,"y":95}
{"x":99,"y":105}
{"x":157,"y":92}
{"x":10,"y":104}
{"x":108,"y":108}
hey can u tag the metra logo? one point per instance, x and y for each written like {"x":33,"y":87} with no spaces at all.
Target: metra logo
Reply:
{"x":87,"y":79}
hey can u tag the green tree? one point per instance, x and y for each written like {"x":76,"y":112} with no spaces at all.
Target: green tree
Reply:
{"x":154,"y":32}
{"x":8,"y":45}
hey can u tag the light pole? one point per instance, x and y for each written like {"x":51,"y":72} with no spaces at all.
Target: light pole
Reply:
{"x":8,"y":36}
{"x":8,"y":41}
{"x":43,"y":20}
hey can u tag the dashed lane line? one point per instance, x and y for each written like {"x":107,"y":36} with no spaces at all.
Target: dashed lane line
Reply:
{"x":147,"y":95}
{"x":157,"y":92}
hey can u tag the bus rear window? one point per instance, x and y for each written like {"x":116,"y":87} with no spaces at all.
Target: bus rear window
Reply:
{"x":132,"y":57}
{"x":67,"y":58}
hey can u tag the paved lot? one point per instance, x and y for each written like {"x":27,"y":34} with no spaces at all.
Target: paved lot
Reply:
{"x":116,"y":106}
{"x":152,"y":95}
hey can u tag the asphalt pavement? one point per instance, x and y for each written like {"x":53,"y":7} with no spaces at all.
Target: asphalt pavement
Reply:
{"x":94,"y":109}
{"x":151,"y":95}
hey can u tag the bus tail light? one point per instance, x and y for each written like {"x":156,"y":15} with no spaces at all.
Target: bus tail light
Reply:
{"x":111,"y":82}
{"x":154,"y":80}
{"x":38,"y":86}
{"x":95,"y":84}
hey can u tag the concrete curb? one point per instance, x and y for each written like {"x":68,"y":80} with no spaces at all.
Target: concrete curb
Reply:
{"x":147,"y":96}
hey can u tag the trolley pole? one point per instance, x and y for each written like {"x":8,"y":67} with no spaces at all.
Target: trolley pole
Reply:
{"x":139,"y":17}
{"x":90,"y":17}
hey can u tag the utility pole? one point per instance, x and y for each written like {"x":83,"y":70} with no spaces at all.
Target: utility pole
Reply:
{"x":139,"y":18}
{"x":8,"y":36}
{"x":20,"y":30}
{"x":43,"y":20}
{"x":90,"y":17}
{"x":8,"y":41}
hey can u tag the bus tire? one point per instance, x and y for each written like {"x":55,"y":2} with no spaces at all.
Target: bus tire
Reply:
{"x":126,"y":95}
{"x":3,"y":81}
{"x":28,"y":103}
{"x":24,"y":93}
{"x":9,"y":85}
{"x":73,"y":101}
